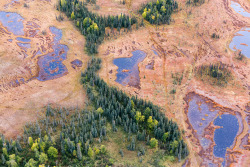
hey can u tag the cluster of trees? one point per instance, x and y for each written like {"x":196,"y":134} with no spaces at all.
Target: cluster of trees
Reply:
{"x":158,"y":12}
{"x":92,"y":25}
{"x":63,"y":138}
{"x":218,"y":73}
{"x":135,"y":115}
{"x":215,"y":36}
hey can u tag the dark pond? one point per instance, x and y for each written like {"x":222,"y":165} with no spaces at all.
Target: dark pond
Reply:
{"x":130,"y":77}
{"x":51,"y":66}
{"x":224,"y":136}
{"x":13,"y":22}
{"x":242,"y":37}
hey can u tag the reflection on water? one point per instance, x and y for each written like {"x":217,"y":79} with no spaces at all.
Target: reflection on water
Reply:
{"x":242,"y":41}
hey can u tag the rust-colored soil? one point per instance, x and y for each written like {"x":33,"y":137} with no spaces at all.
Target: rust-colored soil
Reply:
{"x":22,"y":103}
{"x":181,"y":46}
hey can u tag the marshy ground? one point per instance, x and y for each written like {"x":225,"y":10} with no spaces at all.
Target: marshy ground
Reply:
{"x":197,"y":36}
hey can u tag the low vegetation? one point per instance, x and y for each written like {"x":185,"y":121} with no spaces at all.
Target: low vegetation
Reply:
{"x":215,"y":74}
{"x":158,"y":12}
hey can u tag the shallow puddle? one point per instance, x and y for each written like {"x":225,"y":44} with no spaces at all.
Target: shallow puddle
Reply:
{"x":155,"y":53}
{"x":23,"y":39}
{"x":13,"y":22}
{"x":76,"y":63}
{"x":201,"y":113}
{"x":241,"y":41}
{"x":128,"y":70}
{"x":224,"y":136}
{"x":239,"y":9}
{"x":51,"y":66}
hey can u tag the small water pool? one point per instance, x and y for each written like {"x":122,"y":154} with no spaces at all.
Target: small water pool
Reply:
{"x":13,"y":22}
{"x":239,"y":9}
{"x":24,"y":45}
{"x":242,"y":41}
{"x":76,"y":63}
{"x":50,"y":65}
{"x":200,"y":115}
{"x":23,"y":39}
{"x":128,"y":70}
{"x":224,"y":136}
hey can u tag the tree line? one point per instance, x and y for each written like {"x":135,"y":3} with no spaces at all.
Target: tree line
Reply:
{"x":92,"y":25}
{"x":133,"y":114}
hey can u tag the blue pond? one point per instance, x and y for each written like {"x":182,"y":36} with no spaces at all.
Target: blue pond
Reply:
{"x":198,"y":109}
{"x":201,"y":112}
{"x":244,"y":37}
{"x":130,"y":77}
{"x":76,"y":63}
{"x":13,"y":22}
{"x":23,"y":39}
{"x":51,"y":66}
{"x":224,"y":137}
{"x":239,"y":9}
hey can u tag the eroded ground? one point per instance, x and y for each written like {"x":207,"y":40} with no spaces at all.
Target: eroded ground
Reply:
{"x":39,"y":84}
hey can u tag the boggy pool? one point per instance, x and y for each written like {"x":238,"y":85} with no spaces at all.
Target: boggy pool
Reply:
{"x":239,"y":9}
{"x":128,"y":70}
{"x":224,"y":136}
{"x":201,"y":113}
{"x":241,"y":41}
{"x":51,"y":66}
